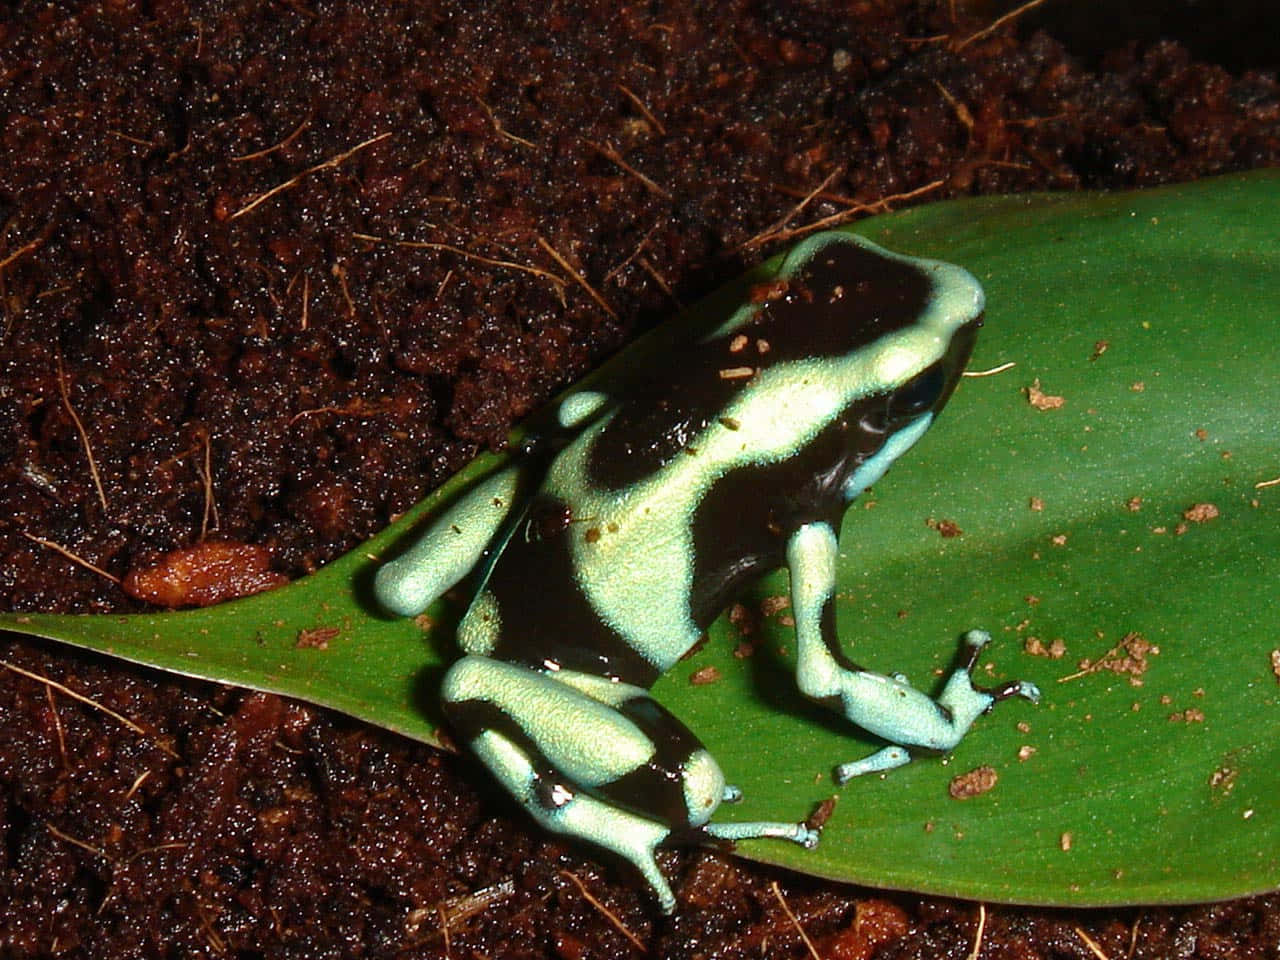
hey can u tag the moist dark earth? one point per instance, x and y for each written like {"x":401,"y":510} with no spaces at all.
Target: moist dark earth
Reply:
{"x":269,"y":272}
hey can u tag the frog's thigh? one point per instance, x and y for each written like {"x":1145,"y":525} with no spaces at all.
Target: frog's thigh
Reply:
{"x":587,"y":733}
{"x":554,"y":748}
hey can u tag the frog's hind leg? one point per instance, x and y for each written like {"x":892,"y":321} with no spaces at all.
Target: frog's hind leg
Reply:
{"x":682,"y":784}
{"x":594,"y":759}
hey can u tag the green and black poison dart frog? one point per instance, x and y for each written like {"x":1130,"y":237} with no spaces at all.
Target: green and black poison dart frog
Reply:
{"x":612,"y":540}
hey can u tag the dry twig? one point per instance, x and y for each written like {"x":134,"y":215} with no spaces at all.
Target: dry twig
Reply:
{"x":605,"y":911}
{"x":763,"y":236}
{"x":1091,"y":944}
{"x":295,"y":180}
{"x":605,"y":150}
{"x":977,"y":936}
{"x":1133,"y":936}
{"x":640,"y":105}
{"x":557,"y":282}
{"x":67,"y":838}
{"x":813,"y":951}
{"x":340,"y":273}
{"x":210,"y":511}
{"x":582,"y":281}
{"x":659,"y":279}
{"x":57,"y":726}
{"x":634,"y":253}
{"x":73,"y":557}
{"x":63,"y":689}
{"x":501,"y":130}
{"x":999,"y":22}
{"x":22,"y":250}
{"x":279,"y":146}
{"x":875,"y":206}
{"x":84,"y":436}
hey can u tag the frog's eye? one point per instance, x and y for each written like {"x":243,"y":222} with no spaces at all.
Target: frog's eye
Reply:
{"x":919,"y":394}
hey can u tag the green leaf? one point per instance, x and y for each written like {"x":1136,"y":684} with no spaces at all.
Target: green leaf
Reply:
{"x":1153,"y":315}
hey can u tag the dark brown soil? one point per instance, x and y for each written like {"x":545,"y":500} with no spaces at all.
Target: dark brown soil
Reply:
{"x":271,"y":271}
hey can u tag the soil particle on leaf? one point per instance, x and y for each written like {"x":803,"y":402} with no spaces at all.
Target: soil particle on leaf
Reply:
{"x":1041,"y":400}
{"x":1201,"y":513}
{"x":317,"y":638}
{"x":947,"y":529}
{"x":705,"y":676}
{"x":818,"y":819}
{"x":273,"y":271}
{"x":1131,"y":658}
{"x":1055,"y":649}
{"x":976,"y":782}
{"x":774,"y":604}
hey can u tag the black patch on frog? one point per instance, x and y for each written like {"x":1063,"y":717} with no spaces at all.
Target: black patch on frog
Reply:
{"x":831,"y":640}
{"x":843,"y":299}
{"x":547,"y":518}
{"x":546,"y":618}
{"x":741,"y":527}
{"x":655,"y":789}
{"x":470,"y":718}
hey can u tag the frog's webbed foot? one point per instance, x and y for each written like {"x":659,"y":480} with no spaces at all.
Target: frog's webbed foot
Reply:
{"x":940,"y":728}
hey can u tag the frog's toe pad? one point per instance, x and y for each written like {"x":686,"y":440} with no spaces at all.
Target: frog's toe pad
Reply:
{"x":807,"y":837}
{"x":1015,"y":688}
{"x":1028,"y":691}
{"x":889,"y":758}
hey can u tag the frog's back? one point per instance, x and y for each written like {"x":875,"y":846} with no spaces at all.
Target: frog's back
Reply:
{"x":671,"y":498}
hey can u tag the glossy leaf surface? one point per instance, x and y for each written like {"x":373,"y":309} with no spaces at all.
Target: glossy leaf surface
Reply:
{"x":1154,"y":317}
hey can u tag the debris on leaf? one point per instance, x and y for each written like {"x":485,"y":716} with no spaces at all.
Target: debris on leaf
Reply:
{"x":1056,"y":649}
{"x":977,"y":781}
{"x":704,"y":676}
{"x":204,"y":574}
{"x":1130,"y":657}
{"x":1041,"y":400}
{"x":316,"y":638}
{"x":1200,"y":513}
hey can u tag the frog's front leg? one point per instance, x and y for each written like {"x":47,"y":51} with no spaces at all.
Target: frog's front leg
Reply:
{"x":886,"y":706}
{"x":595,"y":759}
{"x":451,"y":547}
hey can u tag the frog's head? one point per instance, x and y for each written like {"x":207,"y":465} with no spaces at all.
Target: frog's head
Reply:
{"x":900,"y":380}
{"x":926,"y":387}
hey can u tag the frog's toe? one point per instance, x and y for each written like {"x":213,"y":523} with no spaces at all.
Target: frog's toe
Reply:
{"x":807,"y":837}
{"x":800,"y":833}
{"x":1027,"y":691}
{"x":974,"y":641}
{"x":731,"y":794}
{"x":1014,"y":688}
{"x":887,"y":759}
